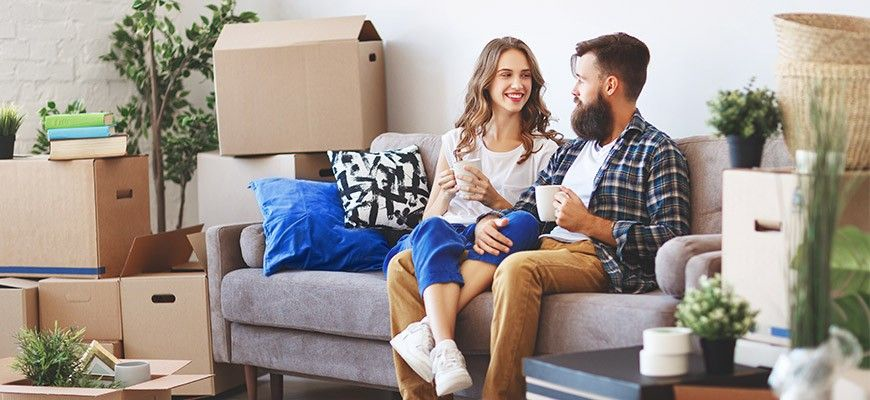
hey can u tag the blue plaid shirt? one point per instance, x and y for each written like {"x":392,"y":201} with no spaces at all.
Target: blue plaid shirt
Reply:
{"x":643,"y":185}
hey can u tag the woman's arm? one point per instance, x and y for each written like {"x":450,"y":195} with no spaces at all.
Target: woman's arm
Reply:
{"x":443,"y":189}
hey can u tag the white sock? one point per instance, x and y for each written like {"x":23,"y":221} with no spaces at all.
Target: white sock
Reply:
{"x":425,"y":320}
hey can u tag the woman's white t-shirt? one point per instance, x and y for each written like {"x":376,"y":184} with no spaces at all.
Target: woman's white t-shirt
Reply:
{"x":507,"y":177}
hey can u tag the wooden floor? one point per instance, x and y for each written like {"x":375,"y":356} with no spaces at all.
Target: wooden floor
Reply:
{"x":309,"y":389}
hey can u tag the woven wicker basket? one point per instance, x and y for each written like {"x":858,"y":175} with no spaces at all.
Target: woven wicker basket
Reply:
{"x":841,"y":85}
{"x":824,"y":38}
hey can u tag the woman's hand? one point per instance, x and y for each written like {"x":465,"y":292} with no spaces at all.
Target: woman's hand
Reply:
{"x":446,"y":180}
{"x":476,"y":186}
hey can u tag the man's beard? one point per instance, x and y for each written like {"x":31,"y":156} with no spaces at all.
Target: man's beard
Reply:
{"x":592,"y":121}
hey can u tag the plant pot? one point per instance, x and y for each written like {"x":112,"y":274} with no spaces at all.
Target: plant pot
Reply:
{"x":745,"y":151}
{"x":718,"y":355}
{"x":7,"y":144}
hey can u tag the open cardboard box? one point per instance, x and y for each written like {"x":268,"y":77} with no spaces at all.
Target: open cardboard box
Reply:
{"x":14,"y":386}
{"x":161,"y":289}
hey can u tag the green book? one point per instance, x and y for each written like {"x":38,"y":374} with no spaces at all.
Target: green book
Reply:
{"x":77,"y":120}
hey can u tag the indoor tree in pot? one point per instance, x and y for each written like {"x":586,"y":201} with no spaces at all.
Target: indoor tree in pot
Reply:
{"x":10,"y":121}
{"x":719,"y":317}
{"x":747,"y":117}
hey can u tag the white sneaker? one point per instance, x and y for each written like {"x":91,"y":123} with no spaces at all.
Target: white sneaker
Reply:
{"x":414,"y":345}
{"x":448,"y":364}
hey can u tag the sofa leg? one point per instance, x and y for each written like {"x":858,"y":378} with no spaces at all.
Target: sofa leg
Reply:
{"x":251,"y":381}
{"x":276,"y":386}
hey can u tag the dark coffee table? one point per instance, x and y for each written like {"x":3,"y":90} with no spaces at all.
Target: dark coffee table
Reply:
{"x":615,"y":374}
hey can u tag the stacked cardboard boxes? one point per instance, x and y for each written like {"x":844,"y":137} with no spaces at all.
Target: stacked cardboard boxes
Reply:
{"x":73,"y":228}
{"x":286,"y":92}
{"x":758,"y":214}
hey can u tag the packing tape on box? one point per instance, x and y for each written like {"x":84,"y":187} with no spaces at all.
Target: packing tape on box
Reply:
{"x":667,"y":340}
{"x":652,"y":364}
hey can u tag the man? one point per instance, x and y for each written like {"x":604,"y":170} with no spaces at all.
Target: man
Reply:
{"x":625,"y":192}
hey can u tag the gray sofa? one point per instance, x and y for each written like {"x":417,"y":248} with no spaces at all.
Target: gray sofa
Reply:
{"x":335,"y":325}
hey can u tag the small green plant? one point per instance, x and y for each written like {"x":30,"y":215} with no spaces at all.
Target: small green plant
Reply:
{"x":10,"y":120}
{"x":714,"y":312}
{"x":54,"y":358}
{"x":51,"y":358}
{"x":747,"y":112}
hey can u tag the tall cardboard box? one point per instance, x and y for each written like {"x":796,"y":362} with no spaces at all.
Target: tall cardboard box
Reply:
{"x":757,"y":214}
{"x":299,"y":86}
{"x":18,"y":309}
{"x":82,"y":303}
{"x":156,"y":301}
{"x":222,"y":182}
{"x":71,"y":218}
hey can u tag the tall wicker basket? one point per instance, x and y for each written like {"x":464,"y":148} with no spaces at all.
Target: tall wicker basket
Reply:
{"x":832,"y":53}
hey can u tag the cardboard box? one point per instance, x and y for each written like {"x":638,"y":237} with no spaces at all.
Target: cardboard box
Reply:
{"x":690,"y":392}
{"x":299,"y":86}
{"x":71,"y":218}
{"x":222,"y":181}
{"x":155,"y":301}
{"x":163,"y":373}
{"x":82,"y":303}
{"x":757,"y":216}
{"x":19,"y":308}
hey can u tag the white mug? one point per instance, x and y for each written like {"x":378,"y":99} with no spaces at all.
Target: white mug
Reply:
{"x":460,"y":171}
{"x":129,"y":373}
{"x":544,"y":195}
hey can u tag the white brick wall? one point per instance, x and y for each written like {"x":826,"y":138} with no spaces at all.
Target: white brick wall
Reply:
{"x":50,"y":49}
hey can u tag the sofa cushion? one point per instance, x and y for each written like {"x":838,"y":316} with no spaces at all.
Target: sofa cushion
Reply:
{"x":429,"y":144}
{"x":356,"y":305}
{"x":304,"y":229}
{"x":385,"y":189}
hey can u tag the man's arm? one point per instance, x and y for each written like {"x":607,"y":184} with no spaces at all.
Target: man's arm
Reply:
{"x":667,"y":202}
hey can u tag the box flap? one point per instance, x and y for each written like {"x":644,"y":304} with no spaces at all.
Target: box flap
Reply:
{"x":168,"y":382}
{"x":163,"y":367}
{"x":15,"y":283}
{"x":197,"y":241}
{"x":294,"y":32}
{"x":159,"y":252}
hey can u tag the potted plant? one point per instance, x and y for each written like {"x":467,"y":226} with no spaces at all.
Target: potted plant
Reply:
{"x":10,"y":121}
{"x":719,"y":317}
{"x":747,"y":118}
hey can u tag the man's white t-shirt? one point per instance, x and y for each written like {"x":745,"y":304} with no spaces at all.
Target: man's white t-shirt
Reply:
{"x":580,"y":178}
{"x":507,"y":177}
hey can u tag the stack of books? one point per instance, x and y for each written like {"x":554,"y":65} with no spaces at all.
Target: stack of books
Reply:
{"x":88,"y":135}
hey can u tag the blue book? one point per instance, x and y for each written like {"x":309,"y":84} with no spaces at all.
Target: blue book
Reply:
{"x":79,"y":133}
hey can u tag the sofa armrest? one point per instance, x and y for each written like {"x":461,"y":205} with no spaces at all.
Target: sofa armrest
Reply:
{"x":673,"y":256}
{"x":706,"y":264}
{"x":224,"y":256}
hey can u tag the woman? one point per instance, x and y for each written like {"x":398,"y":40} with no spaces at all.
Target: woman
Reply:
{"x":504,"y":126}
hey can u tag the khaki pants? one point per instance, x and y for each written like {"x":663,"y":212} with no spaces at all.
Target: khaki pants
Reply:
{"x":520,"y":281}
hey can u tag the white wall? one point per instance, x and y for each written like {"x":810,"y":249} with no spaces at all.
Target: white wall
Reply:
{"x":49,"y":50}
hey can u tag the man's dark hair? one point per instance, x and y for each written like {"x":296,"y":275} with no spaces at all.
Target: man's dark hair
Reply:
{"x":622,"y":55}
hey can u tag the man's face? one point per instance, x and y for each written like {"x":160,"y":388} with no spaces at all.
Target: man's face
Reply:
{"x":592,"y":118}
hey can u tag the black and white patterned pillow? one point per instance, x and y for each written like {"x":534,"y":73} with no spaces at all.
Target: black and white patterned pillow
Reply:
{"x":381,"y":190}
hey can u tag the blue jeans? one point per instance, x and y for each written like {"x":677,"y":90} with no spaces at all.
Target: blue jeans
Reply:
{"x":437,"y":247}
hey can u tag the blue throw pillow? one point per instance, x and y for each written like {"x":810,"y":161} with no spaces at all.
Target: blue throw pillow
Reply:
{"x":303,"y":222}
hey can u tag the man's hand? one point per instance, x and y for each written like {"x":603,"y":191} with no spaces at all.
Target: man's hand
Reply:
{"x":571,"y":213}
{"x":488,"y":238}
